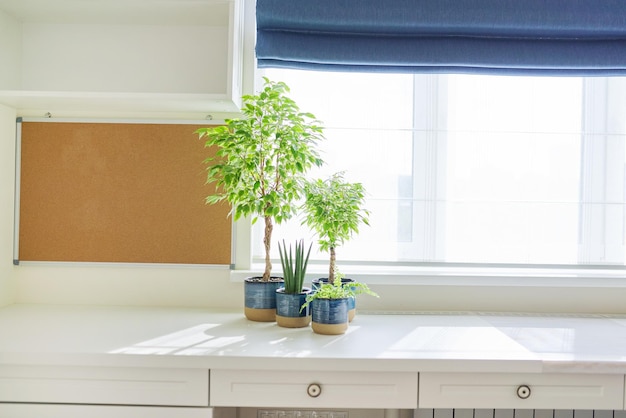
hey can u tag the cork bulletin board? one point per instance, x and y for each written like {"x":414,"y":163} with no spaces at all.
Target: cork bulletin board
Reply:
{"x":116,"y":192}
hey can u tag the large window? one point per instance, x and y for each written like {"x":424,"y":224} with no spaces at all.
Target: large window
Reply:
{"x":474,"y":170}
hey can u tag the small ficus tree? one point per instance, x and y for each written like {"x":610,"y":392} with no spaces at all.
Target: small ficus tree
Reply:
{"x":334,"y":210}
{"x":261,"y":159}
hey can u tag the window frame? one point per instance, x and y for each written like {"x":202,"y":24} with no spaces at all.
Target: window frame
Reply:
{"x":501,"y":283}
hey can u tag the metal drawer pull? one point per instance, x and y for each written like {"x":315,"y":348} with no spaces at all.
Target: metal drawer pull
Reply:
{"x":314,"y":390}
{"x":523,"y":391}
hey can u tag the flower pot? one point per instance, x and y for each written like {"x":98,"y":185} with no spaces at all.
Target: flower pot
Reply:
{"x":260,"y":298}
{"x":351,"y":301}
{"x":329,"y":316}
{"x":288,"y":306}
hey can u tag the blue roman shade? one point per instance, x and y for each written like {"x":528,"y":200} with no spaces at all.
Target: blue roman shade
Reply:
{"x":560,"y":37}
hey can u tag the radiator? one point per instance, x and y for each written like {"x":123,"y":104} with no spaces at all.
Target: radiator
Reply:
{"x":518,"y":413}
{"x":434,"y":413}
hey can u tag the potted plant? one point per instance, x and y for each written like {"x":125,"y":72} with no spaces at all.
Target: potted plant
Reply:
{"x":292,"y":296}
{"x":333,"y":209}
{"x":259,"y":169}
{"x":329,"y":305}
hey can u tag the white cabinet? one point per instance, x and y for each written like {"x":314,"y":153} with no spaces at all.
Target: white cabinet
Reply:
{"x":313,"y":389}
{"x":530,"y":391}
{"x":104,"y":385}
{"x":22,"y":410}
{"x":112,"y":55}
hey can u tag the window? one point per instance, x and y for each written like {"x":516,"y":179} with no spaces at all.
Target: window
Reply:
{"x":473,"y":170}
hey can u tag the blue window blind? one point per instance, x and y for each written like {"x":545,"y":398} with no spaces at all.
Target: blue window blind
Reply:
{"x":543,"y":37}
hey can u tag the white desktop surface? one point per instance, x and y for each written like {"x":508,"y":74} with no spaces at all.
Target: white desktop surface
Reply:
{"x":199,"y":338}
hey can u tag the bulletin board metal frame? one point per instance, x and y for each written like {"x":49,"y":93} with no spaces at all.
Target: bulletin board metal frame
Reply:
{"x":116,"y":191}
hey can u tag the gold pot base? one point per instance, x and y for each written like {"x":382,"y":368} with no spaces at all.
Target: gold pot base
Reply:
{"x":329,"y":329}
{"x":260,"y":315}
{"x":293,"y":322}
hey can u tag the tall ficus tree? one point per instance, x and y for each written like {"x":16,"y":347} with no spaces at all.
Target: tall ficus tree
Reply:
{"x":261,"y":159}
{"x":333,"y":209}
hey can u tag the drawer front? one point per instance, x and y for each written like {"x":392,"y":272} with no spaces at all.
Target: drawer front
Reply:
{"x":537,"y":391}
{"x":26,"y":410}
{"x":310,"y":389}
{"x":104,"y":385}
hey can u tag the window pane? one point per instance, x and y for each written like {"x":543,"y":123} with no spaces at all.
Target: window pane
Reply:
{"x":513,"y":175}
{"x":473,"y":169}
{"x":368,"y":119}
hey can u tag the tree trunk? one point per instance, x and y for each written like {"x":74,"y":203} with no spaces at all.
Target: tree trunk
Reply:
{"x":331,"y":268}
{"x":267,"y":243}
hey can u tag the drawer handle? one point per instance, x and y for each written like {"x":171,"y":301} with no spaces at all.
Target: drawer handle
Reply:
{"x":523,"y":392}
{"x":314,"y":390}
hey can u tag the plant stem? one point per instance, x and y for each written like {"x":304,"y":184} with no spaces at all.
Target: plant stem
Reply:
{"x":331,"y":268}
{"x":267,"y":241}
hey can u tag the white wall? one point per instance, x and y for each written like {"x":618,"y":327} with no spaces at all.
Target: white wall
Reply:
{"x":126,"y":285}
{"x":10,"y":52}
{"x":7,"y":176}
{"x":105,"y":57}
{"x":125,"y":58}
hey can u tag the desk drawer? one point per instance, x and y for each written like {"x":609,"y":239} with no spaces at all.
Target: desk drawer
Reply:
{"x":311,"y":389}
{"x":43,"y":410}
{"x":104,"y":385}
{"x":535,"y":391}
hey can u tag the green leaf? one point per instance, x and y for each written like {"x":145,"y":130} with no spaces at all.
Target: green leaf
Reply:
{"x":333,"y":208}
{"x":262,"y":159}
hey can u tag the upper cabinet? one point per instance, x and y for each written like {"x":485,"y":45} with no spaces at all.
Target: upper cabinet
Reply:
{"x":116,"y":56}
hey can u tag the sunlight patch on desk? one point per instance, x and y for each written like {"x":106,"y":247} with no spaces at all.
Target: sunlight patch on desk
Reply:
{"x":448,"y":342}
{"x":548,"y":340}
{"x":193,"y":340}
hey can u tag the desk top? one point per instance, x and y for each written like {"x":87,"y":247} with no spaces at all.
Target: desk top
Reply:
{"x":199,"y":338}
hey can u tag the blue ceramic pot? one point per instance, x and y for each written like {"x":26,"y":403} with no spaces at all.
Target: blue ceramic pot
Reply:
{"x":260,"y":298}
{"x":288,"y":313}
{"x":329,"y":316}
{"x":351,"y":301}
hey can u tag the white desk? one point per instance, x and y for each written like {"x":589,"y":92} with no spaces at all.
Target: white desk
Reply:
{"x":192,"y":360}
